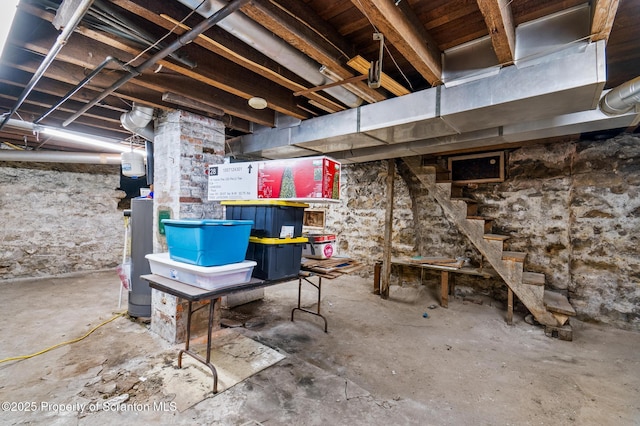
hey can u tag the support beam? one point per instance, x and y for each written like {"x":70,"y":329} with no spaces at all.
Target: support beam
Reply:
{"x":221,"y":75}
{"x":302,"y":33}
{"x":397,"y":23}
{"x":444,"y":288}
{"x":604,"y":12}
{"x":499,"y":19}
{"x":388,"y":231}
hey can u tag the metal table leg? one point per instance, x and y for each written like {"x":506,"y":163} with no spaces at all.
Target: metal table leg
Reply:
{"x":300,"y":308}
{"x":195,"y":355}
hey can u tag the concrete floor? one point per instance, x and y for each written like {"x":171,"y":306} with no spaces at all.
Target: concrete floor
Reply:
{"x":380,"y":363}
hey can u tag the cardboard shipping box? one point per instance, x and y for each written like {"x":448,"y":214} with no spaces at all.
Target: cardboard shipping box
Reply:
{"x":306,"y":179}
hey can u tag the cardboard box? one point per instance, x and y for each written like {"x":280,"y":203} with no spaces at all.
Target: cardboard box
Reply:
{"x":299,"y":178}
{"x":311,"y":179}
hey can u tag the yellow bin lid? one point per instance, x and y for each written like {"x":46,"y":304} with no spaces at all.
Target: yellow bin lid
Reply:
{"x":297,"y":240}
{"x":263,"y":202}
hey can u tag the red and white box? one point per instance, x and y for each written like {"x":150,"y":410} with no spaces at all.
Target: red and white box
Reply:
{"x":319,"y":246}
{"x":299,"y":178}
{"x":307,"y":179}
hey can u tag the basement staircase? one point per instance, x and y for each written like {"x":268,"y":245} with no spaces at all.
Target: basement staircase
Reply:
{"x":549,"y":308}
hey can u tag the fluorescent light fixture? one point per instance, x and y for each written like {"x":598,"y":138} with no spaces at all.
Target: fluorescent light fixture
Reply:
{"x":85,"y":139}
{"x":7,"y":13}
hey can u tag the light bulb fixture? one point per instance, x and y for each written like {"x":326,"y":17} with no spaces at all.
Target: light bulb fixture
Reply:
{"x":85,"y":139}
{"x":257,"y":103}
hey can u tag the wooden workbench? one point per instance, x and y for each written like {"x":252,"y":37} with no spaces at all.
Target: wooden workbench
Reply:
{"x":446,"y":284}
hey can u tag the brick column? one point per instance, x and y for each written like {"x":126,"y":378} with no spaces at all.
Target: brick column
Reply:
{"x":184,"y":145}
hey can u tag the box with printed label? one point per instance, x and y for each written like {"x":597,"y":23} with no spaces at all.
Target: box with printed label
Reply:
{"x":301,"y":178}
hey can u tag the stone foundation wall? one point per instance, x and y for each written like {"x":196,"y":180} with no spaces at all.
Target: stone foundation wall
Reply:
{"x":573,"y":207}
{"x":59,"y":218}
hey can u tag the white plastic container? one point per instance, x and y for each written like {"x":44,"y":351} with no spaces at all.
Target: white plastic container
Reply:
{"x":321,"y":246}
{"x":207,"y":277}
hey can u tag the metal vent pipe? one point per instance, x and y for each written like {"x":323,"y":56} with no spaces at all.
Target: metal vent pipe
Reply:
{"x":622,"y":98}
{"x":138,"y":121}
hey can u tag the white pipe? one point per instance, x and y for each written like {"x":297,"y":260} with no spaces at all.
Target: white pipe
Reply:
{"x":622,"y":98}
{"x":59,"y":157}
{"x":274,"y":47}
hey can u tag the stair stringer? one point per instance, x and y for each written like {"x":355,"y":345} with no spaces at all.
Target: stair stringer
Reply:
{"x":509,"y":270}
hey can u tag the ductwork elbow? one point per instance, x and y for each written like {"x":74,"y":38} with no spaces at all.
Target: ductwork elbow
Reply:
{"x":139,"y":121}
{"x":621,"y":99}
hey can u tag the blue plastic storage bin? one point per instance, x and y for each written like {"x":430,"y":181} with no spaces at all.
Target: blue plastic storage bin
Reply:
{"x":207,"y":242}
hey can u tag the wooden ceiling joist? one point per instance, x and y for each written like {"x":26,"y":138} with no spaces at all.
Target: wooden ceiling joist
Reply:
{"x":498,"y":17}
{"x":220,"y":43}
{"x":604,"y":13}
{"x":327,"y":50}
{"x":411,"y":40}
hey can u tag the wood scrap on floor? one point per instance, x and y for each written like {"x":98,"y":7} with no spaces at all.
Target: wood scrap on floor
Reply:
{"x":333,"y":267}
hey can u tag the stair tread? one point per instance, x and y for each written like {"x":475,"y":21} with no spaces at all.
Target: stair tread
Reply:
{"x":533,"y":278}
{"x":465,"y":199}
{"x":513,"y":255}
{"x":438,"y":167}
{"x":495,"y":237}
{"x":557,"y":302}
{"x":479,"y":218}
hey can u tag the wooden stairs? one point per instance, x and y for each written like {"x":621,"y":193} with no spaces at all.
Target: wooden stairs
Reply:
{"x":549,"y":308}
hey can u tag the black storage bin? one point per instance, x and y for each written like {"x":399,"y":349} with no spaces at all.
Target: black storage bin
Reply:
{"x":269,"y":217}
{"x":276,"y":258}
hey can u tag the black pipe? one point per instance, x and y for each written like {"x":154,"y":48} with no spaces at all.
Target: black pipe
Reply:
{"x":183,"y":40}
{"x":48,"y":60}
{"x":148,"y":145}
{"x":83,"y":83}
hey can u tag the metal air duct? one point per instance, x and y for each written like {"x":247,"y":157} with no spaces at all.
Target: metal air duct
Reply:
{"x":265,"y":42}
{"x":622,"y":99}
{"x":139,"y":121}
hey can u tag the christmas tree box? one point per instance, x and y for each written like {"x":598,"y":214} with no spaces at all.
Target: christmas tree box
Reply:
{"x":308,"y":178}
